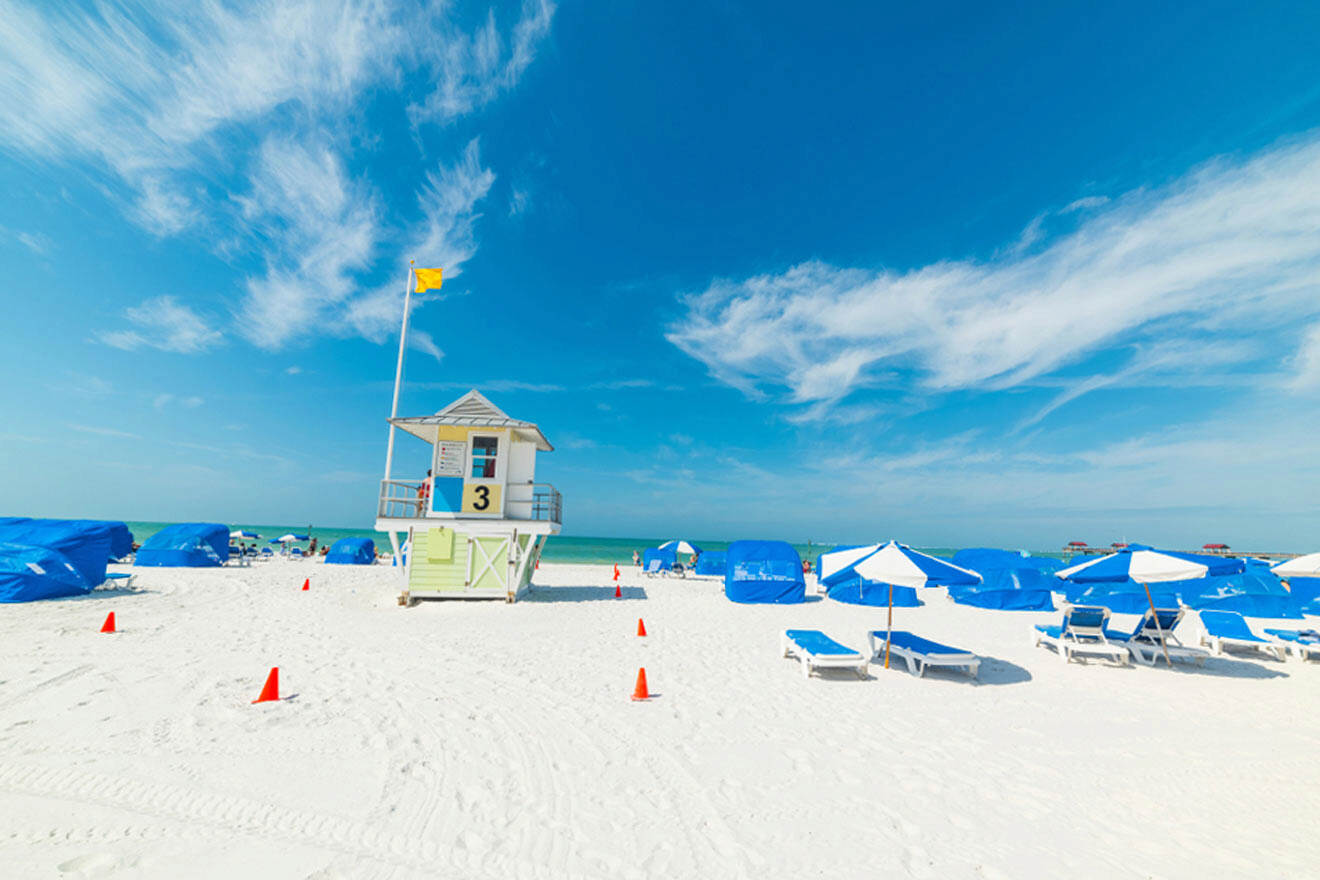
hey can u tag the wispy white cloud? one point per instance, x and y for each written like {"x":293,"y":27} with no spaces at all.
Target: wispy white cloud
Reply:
{"x":142,"y":88}
{"x":165,"y":324}
{"x":424,"y":342}
{"x":1307,"y":362}
{"x":448,"y":202}
{"x":324,"y":227}
{"x":474,"y":69}
{"x":1228,"y":250}
{"x":169,"y":102}
{"x":34,"y":241}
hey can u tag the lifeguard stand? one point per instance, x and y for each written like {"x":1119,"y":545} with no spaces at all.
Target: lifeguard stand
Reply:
{"x":476,"y":525}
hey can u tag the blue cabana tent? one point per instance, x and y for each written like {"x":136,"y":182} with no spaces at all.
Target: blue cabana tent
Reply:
{"x":764,"y":572}
{"x":667,"y":558}
{"x":29,"y":573}
{"x":712,"y":562}
{"x":189,"y":545}
{"x":121,"y":539}
{"x":86,"y":547}
{"x":352,"y":551}
{"x":1014,"y":580}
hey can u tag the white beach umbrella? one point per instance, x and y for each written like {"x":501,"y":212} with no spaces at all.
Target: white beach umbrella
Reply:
{"x":680,"y":546}
{"x":1142,"y":565}
{"x":895,"y":563}
{"x":1307,"y":566}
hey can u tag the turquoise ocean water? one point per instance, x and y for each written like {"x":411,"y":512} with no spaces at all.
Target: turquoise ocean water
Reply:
{"x":560,"y":548}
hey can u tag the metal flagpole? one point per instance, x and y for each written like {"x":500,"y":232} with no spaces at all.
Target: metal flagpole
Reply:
{"x":398,"y":370}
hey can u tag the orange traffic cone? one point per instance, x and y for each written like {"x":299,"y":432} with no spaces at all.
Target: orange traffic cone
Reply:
{"x":618,"y":593}
{"x":640,"y":692}
{"x":109,"y":625}
{"x":271,"y":692}
{"x":616,"y":571}
{"x":307,"y":584}
{"x":641,"y":627}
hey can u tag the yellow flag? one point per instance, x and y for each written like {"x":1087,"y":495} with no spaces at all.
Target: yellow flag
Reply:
{"x":427,"y":279}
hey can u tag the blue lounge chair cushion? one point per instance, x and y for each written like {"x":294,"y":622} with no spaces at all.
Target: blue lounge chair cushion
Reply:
{"x":117,"y":576}
{"x":813,"y":641}
{"x":1304,"y":636}
{"x":1054,"y":632}
{"x":1086,"y":616}
{"x":1228,"y":625}
{"x":915,"y":643}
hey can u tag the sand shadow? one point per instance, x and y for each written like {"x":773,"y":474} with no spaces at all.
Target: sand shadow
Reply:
{"x":110,"y":593}
{"x":583,"y":594}
{"x":1232,"y":667}
{"x":996,"y":671}
{"x":833,"y":674}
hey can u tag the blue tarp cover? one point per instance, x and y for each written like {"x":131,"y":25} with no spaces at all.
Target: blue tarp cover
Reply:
{"x":856,"y":591}
{"x":121,"y":539}
{"x":667,"y":557}
{"x":1014,"y":580}
{"x":712,"y":562}
{"x":30,"y":573}
{"x":87,"y":547}
{"x":1307,"y":593}
{"x":764,"y":572}
{"x":983,"y":559}
{"x":192,"y":545}
{"x":1120,"y":598}
{"x":352,"y":551}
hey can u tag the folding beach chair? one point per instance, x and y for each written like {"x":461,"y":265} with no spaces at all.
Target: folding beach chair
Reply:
{"x":1153,"y":636}
{"x":1228,"y":629}
{"x":121,"y":579}
{"x":816,"y":650}
{"x":921,"y":653}
{"x":1081,"y":633}
{"x":653,"y":568}
{"x":1301,"y":643}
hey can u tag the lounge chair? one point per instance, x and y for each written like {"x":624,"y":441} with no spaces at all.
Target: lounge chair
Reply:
{"x":653,"y":568}
{"x":1301,"y":643}
{"x":817,"y":650}
{"x":120,"y":579}
{"x":1082,"y":632}
{"x":1154,"y":636}
{"x":921,"y":653}
{"x":1228,"y":629}
{"x":678,"y":570}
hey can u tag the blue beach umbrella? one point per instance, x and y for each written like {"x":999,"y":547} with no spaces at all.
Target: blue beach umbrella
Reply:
{"x":899,"y":565}
{"x":240,"y":533}
{"x":1141,"y":565}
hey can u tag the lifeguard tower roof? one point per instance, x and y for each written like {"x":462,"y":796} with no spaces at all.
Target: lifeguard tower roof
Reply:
{"x":472,"y":410}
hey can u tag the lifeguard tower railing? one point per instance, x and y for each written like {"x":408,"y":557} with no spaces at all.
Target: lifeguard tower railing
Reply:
{"x":402,"y":499}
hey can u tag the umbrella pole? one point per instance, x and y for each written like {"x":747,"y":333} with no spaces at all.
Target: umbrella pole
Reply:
{"x":889,"y":634}
{"x":1155,"y":614}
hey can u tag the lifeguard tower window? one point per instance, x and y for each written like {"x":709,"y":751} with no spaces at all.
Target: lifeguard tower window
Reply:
{"x":483,"y":457}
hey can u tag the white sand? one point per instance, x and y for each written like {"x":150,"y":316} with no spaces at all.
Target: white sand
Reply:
{"x":487,"y":740}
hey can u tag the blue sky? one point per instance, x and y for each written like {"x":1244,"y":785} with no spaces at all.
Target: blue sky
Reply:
{"x":941,"y":273}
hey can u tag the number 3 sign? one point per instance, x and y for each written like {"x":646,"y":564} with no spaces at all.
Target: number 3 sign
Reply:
{"x":481,"y":498}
